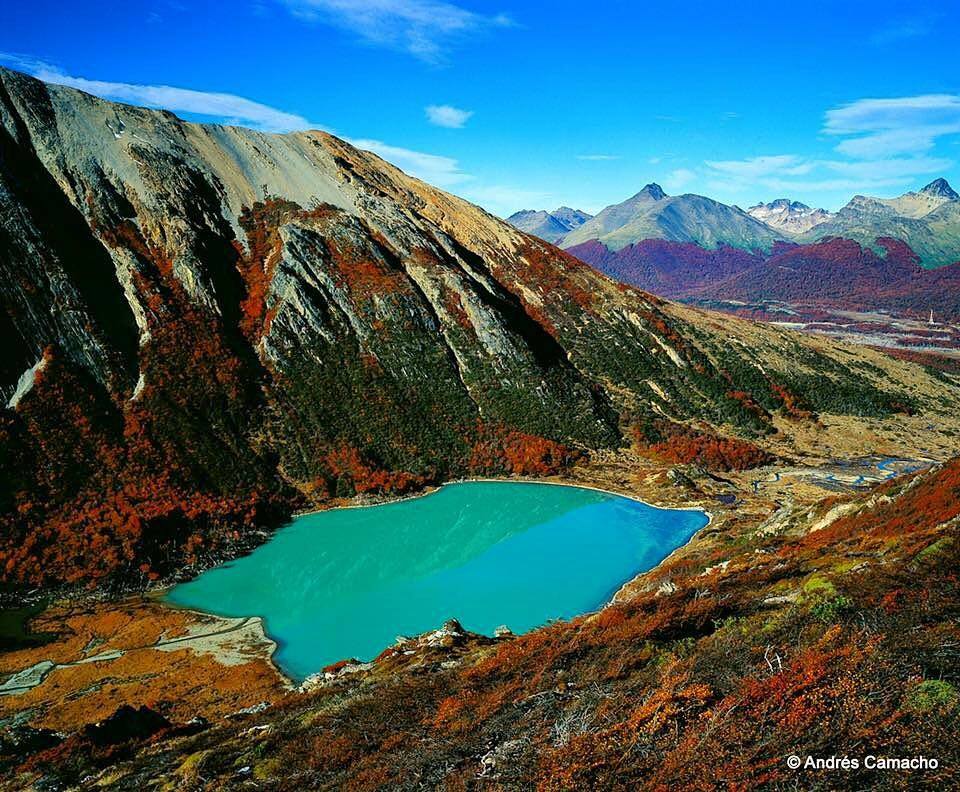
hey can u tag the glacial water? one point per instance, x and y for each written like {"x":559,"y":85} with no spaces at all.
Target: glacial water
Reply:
{"x":345,"y":583}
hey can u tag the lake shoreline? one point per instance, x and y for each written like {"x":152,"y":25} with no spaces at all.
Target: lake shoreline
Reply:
{"x":553,"y":482}
{"x":613,"y":595}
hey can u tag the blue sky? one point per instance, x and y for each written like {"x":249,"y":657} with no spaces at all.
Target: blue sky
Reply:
{"x":536,"y":104}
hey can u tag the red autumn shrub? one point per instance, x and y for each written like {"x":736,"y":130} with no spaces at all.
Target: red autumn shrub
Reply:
{"x":501,"y":450}
{"x":678,"y":444}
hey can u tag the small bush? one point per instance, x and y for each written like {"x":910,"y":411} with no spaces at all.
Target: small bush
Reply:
{"x":831,"y":610}
{"x":932,"y":695}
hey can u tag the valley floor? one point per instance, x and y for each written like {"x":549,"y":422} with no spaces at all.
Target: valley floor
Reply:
{"x":891,"y":332}
{"x":107,"y":654}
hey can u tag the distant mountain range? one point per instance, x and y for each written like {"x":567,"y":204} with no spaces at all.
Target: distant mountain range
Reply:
{"x":550,"y":226}
{"x":915,"y":204}
{"x":927,"y":220}
{"x":652,"y":214}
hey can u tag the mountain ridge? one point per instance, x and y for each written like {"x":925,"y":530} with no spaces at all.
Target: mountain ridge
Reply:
{"x":941,"y":188}
{"x":549,"y":226}
{"x":928,"y":220}
{"x":652,"y":214}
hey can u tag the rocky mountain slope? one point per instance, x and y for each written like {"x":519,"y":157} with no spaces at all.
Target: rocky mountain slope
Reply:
{"x":795,"y":218}
{"x":789,"y":217}
{"x":550,"y":226}
{"x":206,"y":327}
{"x":572,"y":218}
{"x":927,"y":220}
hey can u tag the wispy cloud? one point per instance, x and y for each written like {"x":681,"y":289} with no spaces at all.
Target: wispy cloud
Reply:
{"x":598,"y":157}
{"x":433,"y":168}
{"x":679,"y":178}
{"x":447,"y":116}
{"x":226,"y":107}
{"x":887,"y":127}
{"x":904,"y":28}
{"x":424,"y":28}
{"x":880,"y":146}
{"x":760,"y":167}
{"x":794,"y":175}
{"x":899,"y":168}
{"x":504,"y":199}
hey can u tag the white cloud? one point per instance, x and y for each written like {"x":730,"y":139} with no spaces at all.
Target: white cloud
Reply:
{"x":424,"y":28}
{"x":781,"y":174}
{"x":902,"y":168}
{"x":759,"y":167}
{"x":903,"y":29}
{"x":886,"y":127}
{"x":221,"y":106}
{"x":447,"y":116}
{"x":598,"y":157}
{"x":438,"y":170}
{"x":679,"y":178}
{"x":803,"y":188}
{"x":884,"y":143}
{"x":884,"y":146}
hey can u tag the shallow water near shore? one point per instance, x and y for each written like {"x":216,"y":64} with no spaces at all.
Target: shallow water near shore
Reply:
{"x":344,"y":583}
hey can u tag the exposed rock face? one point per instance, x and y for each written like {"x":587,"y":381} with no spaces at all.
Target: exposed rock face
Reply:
{"x":790,"y":217}
{"x":940,"y":188}
{"x":221,"y":324}
{"x":571,"y":218}
{"x":921,"y":202}
{"x":125,"y":724}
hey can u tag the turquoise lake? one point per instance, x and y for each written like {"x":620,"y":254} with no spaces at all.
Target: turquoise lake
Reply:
{"x":345,"y":583}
